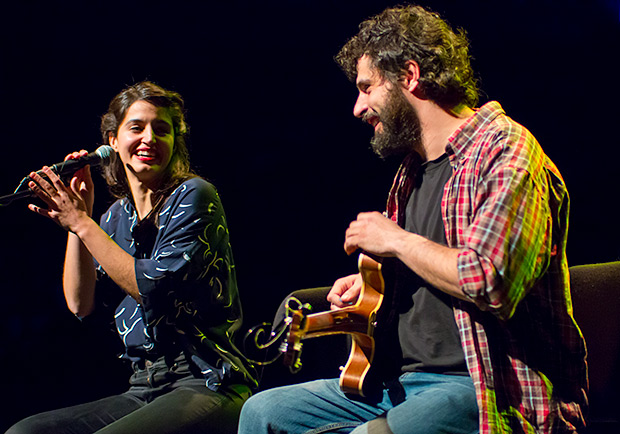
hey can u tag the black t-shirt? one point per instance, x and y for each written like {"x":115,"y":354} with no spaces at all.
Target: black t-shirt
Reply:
{"x":427,"y":330}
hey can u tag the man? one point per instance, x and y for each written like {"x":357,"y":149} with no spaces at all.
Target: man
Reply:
{"x":477,"y":221}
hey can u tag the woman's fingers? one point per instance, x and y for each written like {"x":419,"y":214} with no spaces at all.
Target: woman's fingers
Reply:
{"x":76,"y":154}
{"x":42,"y":189}
{"x":49,"y":192}
{"x":39,"y":210}
{"x":41,"y":183}
{"x":56,"y":181}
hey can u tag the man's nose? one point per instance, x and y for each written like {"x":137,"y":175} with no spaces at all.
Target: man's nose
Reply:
{"x":361,"y":105}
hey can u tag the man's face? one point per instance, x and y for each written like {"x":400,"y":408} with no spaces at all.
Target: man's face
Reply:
{"x":383,"y":105}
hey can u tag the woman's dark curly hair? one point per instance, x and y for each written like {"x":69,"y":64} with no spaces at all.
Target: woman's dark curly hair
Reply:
{"x":178,"y":169}
{"x":403,"y":33}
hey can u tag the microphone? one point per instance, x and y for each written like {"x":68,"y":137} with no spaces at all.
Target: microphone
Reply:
{"x":101,"y":155}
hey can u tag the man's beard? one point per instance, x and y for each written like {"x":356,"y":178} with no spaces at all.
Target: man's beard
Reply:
{"x":401,"y":132}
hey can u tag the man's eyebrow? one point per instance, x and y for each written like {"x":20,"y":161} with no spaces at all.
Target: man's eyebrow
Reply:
{"x":362,"y":82}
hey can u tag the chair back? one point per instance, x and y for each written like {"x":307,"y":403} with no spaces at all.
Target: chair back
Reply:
{"x":595,"y":292}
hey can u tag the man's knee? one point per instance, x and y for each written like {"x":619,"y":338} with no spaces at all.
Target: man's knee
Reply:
{"x":379,"y":426}
{"x":256,"y":413}
{"x":259,"y":405}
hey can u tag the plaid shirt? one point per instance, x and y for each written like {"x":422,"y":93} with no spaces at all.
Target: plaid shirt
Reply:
{"x":506,"y":208}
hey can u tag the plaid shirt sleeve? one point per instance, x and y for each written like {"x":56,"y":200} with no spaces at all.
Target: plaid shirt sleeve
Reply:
{"x":506,"y":209}
{"x":507,"y":245}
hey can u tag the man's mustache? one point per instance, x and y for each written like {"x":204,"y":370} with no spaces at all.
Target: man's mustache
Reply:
{"x":369,"y":115}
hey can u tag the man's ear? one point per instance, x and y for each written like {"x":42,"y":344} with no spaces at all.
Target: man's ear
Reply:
{"x":411,"y":76}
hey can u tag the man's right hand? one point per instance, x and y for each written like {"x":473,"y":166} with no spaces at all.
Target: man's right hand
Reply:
{"x":345,"y":291}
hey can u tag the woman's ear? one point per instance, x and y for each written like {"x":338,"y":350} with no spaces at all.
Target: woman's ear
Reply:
{"x":113,"y":141}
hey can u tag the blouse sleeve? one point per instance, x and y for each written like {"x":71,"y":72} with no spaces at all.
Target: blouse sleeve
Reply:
{"x":191,"y":267}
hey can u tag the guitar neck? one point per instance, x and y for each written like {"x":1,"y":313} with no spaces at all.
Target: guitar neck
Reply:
{"x":357,"y":319}
{"x":347,"y":320}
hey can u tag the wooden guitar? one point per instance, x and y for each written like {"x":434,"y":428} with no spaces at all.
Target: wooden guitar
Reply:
{"x":358,"y":320}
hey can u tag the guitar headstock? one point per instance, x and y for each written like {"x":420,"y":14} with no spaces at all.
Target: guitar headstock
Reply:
{"x":292,"y":345}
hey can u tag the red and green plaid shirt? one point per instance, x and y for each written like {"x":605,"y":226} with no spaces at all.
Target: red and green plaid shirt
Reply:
{"x":506,"y":208}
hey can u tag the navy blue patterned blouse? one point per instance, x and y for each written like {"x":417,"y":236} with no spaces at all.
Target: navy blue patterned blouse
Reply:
{"x":186,"y":279}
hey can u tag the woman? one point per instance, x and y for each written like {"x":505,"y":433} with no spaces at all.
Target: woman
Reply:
{"x":163,"y":246}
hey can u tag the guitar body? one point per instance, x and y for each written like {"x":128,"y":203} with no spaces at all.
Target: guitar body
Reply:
{"x":359,"y":321}
{"x":353,"y":379}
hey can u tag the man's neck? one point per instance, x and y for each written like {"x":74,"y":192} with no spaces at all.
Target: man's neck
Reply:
{"x":438,"y":125}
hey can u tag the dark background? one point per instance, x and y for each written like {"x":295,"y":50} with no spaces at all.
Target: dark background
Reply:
{"x":272,"y":127}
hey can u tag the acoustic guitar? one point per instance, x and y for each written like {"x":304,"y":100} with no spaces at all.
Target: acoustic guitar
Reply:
{"x":358,"y":320}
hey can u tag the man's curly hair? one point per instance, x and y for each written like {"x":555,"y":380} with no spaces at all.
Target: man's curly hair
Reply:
{"x":403,"y":33}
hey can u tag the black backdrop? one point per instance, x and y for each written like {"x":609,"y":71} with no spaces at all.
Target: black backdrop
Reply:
{"x":272,"y":126}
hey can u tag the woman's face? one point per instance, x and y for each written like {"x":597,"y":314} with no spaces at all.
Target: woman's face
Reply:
{"x":144,"y":143}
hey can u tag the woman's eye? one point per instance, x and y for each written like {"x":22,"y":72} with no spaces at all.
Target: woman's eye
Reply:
{"x":162,"y":131}
{"x":161,"y":128}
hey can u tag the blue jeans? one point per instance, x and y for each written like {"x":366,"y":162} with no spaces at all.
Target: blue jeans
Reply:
{"x":433,"y":403}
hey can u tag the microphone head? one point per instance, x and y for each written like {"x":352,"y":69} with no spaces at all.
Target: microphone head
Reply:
{"x":105,"y":153}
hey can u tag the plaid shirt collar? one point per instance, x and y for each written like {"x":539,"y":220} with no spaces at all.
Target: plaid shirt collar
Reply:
{"x":456,"y":148}
{"x":460,"y":141}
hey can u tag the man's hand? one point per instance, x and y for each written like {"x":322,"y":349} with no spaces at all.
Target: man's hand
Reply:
{"x":437,"y":264}
{"x":373,"y":233}
{"x":345,"y":291}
